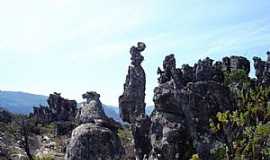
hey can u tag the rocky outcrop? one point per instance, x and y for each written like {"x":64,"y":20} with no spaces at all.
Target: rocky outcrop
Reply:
{"x":200,"y":102}
{"x":96,"y":137}
{"x":168,"y":130}
{"x":236,"y":62}
{"x":185,"y":100}
{"x":59,"y":109}
{"x":140,"y":132}
{"x":132,"y":105}
{"x":262,"y":70}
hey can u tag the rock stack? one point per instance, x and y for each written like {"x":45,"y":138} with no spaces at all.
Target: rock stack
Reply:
{"x":131,"y":102}
{"x":132,"y":105}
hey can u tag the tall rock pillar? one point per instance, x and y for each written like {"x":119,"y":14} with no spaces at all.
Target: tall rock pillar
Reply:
{"x":132,"y":105}
{"x":131,"y":102}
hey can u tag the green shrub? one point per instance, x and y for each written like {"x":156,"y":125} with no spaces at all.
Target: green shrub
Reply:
{"x":125,"y":135}
{"x":247,"y":129}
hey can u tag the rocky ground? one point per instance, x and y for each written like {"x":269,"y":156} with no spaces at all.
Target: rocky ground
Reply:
{"x":44,"y":145}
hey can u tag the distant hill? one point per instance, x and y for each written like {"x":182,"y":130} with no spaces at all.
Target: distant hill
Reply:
{"x":112,"y":111}
{"x":21,"y":102}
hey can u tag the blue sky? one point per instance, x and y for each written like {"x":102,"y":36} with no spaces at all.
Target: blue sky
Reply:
{"x":73,"y":46}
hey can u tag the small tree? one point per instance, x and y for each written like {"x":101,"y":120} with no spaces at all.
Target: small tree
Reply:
{"x":21,"y":129}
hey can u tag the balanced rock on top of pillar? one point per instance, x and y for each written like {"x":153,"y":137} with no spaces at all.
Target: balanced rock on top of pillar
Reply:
{"x":131,"y":102}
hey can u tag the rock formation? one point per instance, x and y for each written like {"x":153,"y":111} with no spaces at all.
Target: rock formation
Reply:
{"x":132,"y":105}
{"x":262,"y":69}
{"x":185,"y":100}
{"x":168,"y":132}
{"x":236,"y":62}
{"x":59,"y":109}
{"x":131,"y":102}
{"x":62,"y":109}
{"x":95,"y":138}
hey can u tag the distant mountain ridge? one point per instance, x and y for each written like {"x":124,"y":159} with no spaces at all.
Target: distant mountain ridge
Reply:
{"x":23,"y":102}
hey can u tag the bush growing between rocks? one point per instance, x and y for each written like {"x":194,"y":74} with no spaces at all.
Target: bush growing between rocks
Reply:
{"x":246,"y":130}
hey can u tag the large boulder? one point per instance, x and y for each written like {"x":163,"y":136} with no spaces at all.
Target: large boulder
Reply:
{"x":92,"y":142}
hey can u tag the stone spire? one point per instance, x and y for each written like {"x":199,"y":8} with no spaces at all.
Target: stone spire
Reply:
{"x":131,"y":102}
{"x":132,"y":105}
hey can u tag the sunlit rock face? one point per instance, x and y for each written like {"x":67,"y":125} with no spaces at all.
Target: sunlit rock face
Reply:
{"x":96,"y":137}
{"x":185,"y":99}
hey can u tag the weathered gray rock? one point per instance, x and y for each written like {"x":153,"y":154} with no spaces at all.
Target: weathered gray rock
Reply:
{"x":132,"y":105}
{"x":200,"y":102}
{"x":171,"y":72}
{"x":184,"y":104}
{"x":169,"y":138}
{"x":92,"y":142}
{"x":140,"y":131}
{"x":91,"y":109}
{"x":236,"y":62}
{"x":168,"y":132}
{"x":59,"y":109}
{"x":96,"y":137}
{"x":262,"y":69}
{"x":131,"y":102}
